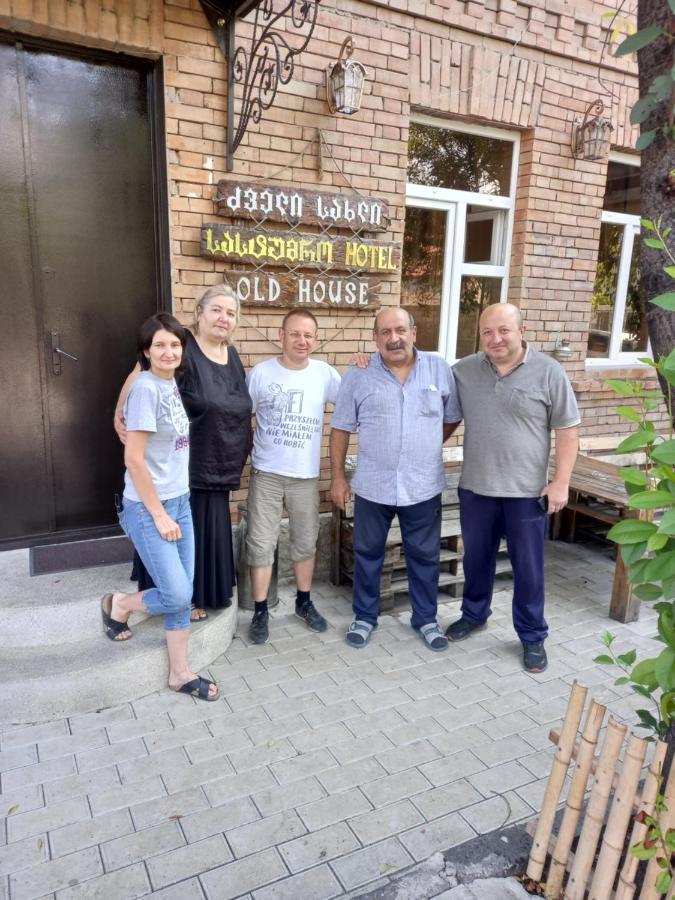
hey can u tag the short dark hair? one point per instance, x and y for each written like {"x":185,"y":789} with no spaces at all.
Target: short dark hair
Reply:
{"x":299,"y":312}
{"x":161,"y":321}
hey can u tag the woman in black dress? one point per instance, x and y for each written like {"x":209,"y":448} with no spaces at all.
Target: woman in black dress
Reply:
{"x":212,"y":386}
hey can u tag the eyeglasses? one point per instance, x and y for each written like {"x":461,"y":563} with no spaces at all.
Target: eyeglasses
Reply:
{"x":294,"y":335}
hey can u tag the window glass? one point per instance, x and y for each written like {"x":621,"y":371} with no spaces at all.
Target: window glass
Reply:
{"x":484,"y":236}
{"x":604,"y":289}
{"x":422,"y":271}
{"x":439,"y":157}
{"x":622,"y":189}
{"x":634,"y":337}
{"x":475,"y":295}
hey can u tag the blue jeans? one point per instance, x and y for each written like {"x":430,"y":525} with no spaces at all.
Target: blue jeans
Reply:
{"x":421,"y":533}
{"x":171,"y":564}
{"x":485,"y":520}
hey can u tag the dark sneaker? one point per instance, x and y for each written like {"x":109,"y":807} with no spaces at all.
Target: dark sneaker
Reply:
{"x":259,"y":631}
{"x":534,"y":657}
{"x":311,"y":616}
{"x":461,"y":629}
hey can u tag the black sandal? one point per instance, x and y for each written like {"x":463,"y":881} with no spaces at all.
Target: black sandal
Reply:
{"x":112,"y":627}
{"x":200,"y":618}
{"x":199,"y":688}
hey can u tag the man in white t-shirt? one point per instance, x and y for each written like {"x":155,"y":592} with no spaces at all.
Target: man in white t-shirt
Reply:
{"x":289,"y":393}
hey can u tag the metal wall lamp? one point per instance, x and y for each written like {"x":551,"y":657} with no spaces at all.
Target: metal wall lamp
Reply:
{"x":265,"y":63}
{"x":344,"y":82}
{"x":590,"y":137}
{"x":562,"y":349}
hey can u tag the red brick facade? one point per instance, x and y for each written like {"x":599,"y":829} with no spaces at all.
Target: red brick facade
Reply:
{"x":523,"y":65}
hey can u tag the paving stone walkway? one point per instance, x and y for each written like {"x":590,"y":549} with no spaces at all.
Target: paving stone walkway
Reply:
{"x":322,"y":771}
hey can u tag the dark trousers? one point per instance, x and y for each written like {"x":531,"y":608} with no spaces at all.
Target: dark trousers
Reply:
{"x":485,"y":520}
{"x":421,"y":534}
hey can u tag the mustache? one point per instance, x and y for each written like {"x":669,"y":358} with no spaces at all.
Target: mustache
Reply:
{"x":395,"y":345}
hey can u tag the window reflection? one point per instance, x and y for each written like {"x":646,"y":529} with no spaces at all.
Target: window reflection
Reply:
{"x":475,"y":295}
{"x":422,"y":272}
{"x":634,"y":336}
{"x":484,"y":239}
{"x":622,"y":189}
{"x":604,"y":289}
{"x":439,"y":157}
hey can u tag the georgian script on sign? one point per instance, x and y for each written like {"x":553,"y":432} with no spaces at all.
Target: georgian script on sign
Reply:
{"x":287,"y":248}
{"x":272,"y":203}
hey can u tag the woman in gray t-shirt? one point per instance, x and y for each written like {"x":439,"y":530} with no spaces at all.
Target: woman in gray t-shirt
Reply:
{"x":156,"y":513}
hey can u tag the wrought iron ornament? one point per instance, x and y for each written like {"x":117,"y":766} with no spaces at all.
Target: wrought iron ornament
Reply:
{"x":265,"y":63}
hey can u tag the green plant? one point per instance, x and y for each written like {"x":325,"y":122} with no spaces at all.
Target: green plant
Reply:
{"x":658,"y":844}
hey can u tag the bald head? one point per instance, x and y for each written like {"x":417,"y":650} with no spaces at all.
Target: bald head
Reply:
{"x":501,"y":335}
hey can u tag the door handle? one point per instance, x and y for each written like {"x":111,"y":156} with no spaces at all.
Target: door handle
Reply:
{"x":57,"y":353}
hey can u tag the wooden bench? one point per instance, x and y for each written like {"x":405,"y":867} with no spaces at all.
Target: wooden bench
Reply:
{"x":598,"y":494}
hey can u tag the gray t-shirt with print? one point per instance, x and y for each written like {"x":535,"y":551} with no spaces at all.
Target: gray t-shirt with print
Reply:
{"x":154,"y":405}
{"x":508,"y":421}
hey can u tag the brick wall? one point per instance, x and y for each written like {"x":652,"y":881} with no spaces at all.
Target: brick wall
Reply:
{"x":521,"y":64}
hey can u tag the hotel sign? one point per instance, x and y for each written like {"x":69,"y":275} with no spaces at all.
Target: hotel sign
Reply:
{"x":286,"y":261}
{"x":273,"y":203}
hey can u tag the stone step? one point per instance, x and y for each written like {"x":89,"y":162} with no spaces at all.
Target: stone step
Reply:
{"x":40,"y":683}
{"x":56,"y":661}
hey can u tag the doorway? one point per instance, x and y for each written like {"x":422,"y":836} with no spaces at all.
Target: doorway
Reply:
{"x":83,"y":262}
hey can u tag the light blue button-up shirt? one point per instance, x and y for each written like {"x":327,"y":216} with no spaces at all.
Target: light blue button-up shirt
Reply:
{"x":400,"y":426}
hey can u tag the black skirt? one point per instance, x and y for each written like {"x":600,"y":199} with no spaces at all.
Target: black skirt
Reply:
{"x":215,"y":575}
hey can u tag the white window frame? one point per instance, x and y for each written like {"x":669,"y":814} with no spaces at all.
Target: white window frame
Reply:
{"x":454,"y":203}
{"x":631,"y":232}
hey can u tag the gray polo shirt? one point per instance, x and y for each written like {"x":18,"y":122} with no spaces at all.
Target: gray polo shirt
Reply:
{"x":400,"y":456}
{"x":508,"y":421}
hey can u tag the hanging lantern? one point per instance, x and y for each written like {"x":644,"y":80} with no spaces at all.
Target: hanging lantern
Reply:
{"x":344,"y":82}
{"x":590,"y":138}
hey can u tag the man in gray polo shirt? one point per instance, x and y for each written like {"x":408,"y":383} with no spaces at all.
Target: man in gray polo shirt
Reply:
{"x":512,"y":398}
{"x":404,"y":406}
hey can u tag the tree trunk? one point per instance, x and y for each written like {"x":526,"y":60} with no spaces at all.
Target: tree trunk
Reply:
{"x":656,"y":174}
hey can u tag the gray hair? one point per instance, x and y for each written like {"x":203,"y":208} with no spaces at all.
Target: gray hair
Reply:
{"x":384,"y":309}
{"x":209,"y":295}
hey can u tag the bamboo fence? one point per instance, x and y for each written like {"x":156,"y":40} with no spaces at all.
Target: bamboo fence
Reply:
{"x":601,"y":868}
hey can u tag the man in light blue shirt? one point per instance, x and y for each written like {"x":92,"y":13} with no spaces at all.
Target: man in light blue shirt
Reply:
{"x":404,"y":406}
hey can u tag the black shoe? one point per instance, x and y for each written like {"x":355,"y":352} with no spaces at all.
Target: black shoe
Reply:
{"x":259,"y":632}
{"x":311,"y":616}
{"x":534,"y":657}
{"x":461,"y":629}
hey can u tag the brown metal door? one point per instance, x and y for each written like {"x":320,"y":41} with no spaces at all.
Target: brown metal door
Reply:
{"x":78,"y":273}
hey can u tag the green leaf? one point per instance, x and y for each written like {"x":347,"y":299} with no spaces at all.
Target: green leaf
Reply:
{"x":624,"y":388}
{"x":667,"y":523}
{"x":633,"y":475}
{"x":648,"y":224}
{"x":636,"y":441}
{"x":662,"y":85}
{"x":643,"y":673}
{"x":633,"y":552}
{"x":669,"y":588}
{"x":665,"y":301}
{"x":628,"y":658}
{"x":656,"y":243}
{"x":650,"y":500}
{"x":664,"y":669}
{"x":639,"y":851}
{"x":671,"y":4}
{"x":655,"y":543}
{"x":648,"y":592}
{"x":637,"y":572}
{"x":663,"y":882}
{"x":669,"y":270}
{"x":631,"y":531}
{"x":662,"y":566}
{"x":604,"y":660}
{"x":629,"y":413}
{"x":607,"y":638}
{"x":665,"y":452}
{"x":645,"y":139}
{"x":640,"y":39}
{"x":644,"y":107}
{"x":646,"y":718}
{"x":666,"y":624}
{"x":622,"y":680}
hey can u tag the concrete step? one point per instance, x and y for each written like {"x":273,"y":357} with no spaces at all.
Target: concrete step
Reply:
{"x":56,"y":661}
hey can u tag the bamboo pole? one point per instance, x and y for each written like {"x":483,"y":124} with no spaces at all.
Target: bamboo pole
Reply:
{"x":561,"y":762}
{"x":575,"y":799}
{"x":595,"y":812}
{"x":666,"y":821}
{"x":619,"y":820}
{"x":626,"y":887}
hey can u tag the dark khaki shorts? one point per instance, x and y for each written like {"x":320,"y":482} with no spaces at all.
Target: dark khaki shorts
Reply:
{"x":267,"y":495}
